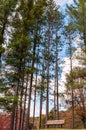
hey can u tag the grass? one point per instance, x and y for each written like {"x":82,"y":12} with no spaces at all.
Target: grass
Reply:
{"x":61,"y":129}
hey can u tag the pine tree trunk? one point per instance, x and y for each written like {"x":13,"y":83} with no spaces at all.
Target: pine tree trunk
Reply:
{"x":31,"y":81}
{"x":72,"y":96}
{"x":25,"y":98}
{"x":2,"y":40}
{"x":13,"y":123}
{"x":57,"y":76}
{"x":55,"y":101}
{"x":12,"y":119}
{"x":41,"y":98}
{"x":83,"y":105}
{"x":47,"y":94}
{"x":40,"y":115}
{"x":34,"y":100}
{"x":21,"y":106}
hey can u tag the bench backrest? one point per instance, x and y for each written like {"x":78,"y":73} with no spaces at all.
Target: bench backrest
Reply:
{"x":53,"y":122}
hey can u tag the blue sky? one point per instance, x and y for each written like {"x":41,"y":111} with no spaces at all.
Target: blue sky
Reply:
{"x":63,"y":2}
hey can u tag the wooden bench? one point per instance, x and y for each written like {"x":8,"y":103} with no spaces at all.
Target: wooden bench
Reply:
{"x":55,"y":122}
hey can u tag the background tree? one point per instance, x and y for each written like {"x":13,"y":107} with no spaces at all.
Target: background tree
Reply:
{"x":79,"y":23}
{"x":77,"y":13}
{"x":69,"y":32}
{"x":54,"y":18}
{"x":78,"y":75}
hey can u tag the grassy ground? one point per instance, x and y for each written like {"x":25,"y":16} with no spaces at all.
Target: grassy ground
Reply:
{"x":62,"y":129}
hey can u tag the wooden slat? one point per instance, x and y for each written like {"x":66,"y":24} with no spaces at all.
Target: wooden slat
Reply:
{"x":55,"y":122}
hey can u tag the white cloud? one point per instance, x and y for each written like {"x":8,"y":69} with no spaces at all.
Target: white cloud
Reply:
{"x":66,"y":67}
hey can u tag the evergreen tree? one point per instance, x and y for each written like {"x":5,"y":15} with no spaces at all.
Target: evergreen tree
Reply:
{"x":54,"y":22}
{"x":69,"y":31}
{"x":77,"y":13}
{"x":19,"y":56}
{"x":6,"y":7}
{"x":78,"y":76}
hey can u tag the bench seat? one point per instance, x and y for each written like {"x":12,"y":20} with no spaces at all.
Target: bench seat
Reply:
{"x":55,"y":122}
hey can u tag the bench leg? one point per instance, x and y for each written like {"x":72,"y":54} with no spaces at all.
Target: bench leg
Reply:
{"x":47,"y":126}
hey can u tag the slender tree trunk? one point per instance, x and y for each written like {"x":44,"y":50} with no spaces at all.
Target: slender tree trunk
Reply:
{"x":47,"y":94}
{"x":34,"y":107}
{"x":72,"y":111}
{"x":13,"y":124}
{"x":57,"y":75}
{"x":21,"y":105}
{"x":25,"y":98}
{"x":40,"y":115}
{"x":72,"y":96}
{"x":29,"y":103}
{"x":34,"y":100}
{"x":31,"y":81}
{"x":16,"y":118}
{"x":41,"y":98}
{"x":12,"y":119}
{"x":55,"y":101}
{"x":83,"y":105}
{"x":2,"y":37}
{"x":84,"y":26}
{"x":22,"y":71}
